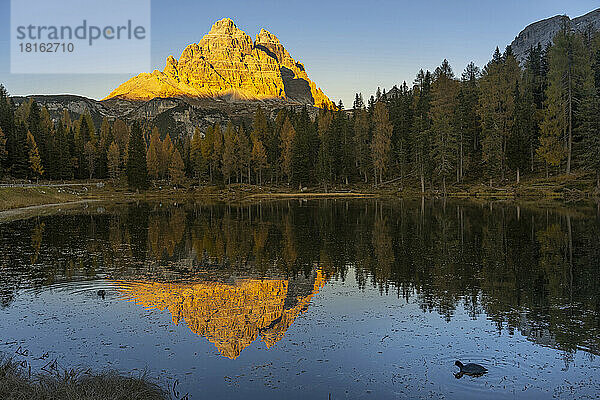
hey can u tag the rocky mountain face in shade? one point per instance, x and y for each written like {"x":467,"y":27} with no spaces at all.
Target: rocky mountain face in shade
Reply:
{"x":227,"y":63}
{"x":544,"y":31}
{"x":177,"y":116}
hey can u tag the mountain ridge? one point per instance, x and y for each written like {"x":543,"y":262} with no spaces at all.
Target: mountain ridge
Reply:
{"x":226,"y":62}
{"x":543,"y":31}
{"x":178,"y":116}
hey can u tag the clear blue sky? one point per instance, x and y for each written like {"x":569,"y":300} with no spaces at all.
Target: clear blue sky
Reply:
{"x":347,"y":46}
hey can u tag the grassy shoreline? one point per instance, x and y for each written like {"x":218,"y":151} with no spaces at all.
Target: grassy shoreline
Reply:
{"x":17,"y":383}
{"x":562,"y":188}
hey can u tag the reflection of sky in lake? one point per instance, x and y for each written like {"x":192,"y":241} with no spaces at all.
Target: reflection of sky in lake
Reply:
{"x":324,"y":330}
{"x":351,"y":343}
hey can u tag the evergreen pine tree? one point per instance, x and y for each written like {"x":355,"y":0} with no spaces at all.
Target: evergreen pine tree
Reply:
{"x":91,"y":157}
{"x":196,"y":158}
{"x":244,"y":153}
{"x":443,"y":106}
{"x":154,"y":154}
{"x":468,"y":123}
{"x":589,"y":129}
{"x":288,"y":134}
{"x":207,"y":150}
{"x":517,"y":148}
{"x":120,"y":133}
{"x":259,"y":158}
{"x":229,"y":161}
{"x":421,"y":126}
{"x":3,"y":153}
{"x":362,"y":142}
{"x":569,"y":79}
{"x":176,"y":169}
{"x":496,"y":110}
{"x":137,"y":172}
{"x":359,"y":103}
{"x":381,"y":144}
{"x":304,"y":146}
{"x":534,"y":93}
{"x":35,"y":161}
{"x":346,"y":160}
{"x":401,"y":115}
{"x":217,"y":150}
{"x":166,"y":152}
{"x":327,"y":143}
{"x":63,"y":168}
{"x":114,"y":162}
{"x":19,"y":153}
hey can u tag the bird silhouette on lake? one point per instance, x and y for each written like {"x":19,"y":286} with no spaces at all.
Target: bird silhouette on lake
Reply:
{"x":101,"y":293}
{"x":470,"y":369}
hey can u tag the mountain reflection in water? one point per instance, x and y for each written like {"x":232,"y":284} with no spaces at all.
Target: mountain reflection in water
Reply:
{"x":231,"y":316}
{"x":234,"y":273}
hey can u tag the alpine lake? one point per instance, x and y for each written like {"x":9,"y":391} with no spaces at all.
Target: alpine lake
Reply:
{"x":310,"y":299}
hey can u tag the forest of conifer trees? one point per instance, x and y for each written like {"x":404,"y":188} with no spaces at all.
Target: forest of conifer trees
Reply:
{"x":493,"y":125}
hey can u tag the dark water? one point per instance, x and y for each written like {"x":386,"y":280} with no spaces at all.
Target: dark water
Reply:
{"x":357,"y":299}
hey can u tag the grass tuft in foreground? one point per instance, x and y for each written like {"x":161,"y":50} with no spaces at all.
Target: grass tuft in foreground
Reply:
{"x":16,"y":384}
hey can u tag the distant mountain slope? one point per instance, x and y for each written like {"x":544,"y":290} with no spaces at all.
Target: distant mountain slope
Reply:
{"x":227,"y":63}
{"x":178,"y":116}
{"x":544,"y":31}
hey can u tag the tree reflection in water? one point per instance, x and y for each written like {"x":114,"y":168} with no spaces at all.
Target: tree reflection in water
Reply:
{"x":527,"y":269}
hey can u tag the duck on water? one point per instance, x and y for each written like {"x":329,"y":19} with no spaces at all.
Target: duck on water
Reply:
{"x":469,"y":369}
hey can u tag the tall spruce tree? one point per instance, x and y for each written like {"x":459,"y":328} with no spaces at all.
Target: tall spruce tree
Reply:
{"x":196,"y":157}
{"x":176,"y":169}
{"x":362,"y":142}
{"x":153,"y":155}
{"x":421,"y":126}
{"x":137,"y":172}
{"x":401,"y":116}
{"x":207,"y":150}
{"x":166,"y":152}
{"x":444,"y":94}
{"x":496,"y":109}
{"x":569,"y":79}
{"x":217,"y":150}
{"x":259,"y":159}
{"x":242,"y":144}
{"x":589,"y":130}
{"x":91,"y":157}
{"x":588,"y":116}
{"x":306,"y":141}
{"x":517,"y":149}
{"x":288,"y":134}
{"x":327,"y":145}
{"x":468,"y":122}
{"x":534,"y":92}
{"x":35,"y":162}
{"x":113,"y":160}
{"x":230,"y":160}
{"x":3,"y":153}
{"x":382,"y":139}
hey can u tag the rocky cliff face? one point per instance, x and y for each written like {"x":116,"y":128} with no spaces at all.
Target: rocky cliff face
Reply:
{"x":544,"y":31}
{"x":227,"y":63}
{"x":177,"y":116}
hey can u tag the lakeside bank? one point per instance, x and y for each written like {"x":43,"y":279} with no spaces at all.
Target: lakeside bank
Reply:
{"x":568,"y":188}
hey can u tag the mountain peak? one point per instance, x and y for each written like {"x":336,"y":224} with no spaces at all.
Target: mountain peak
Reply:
{"x":543,"y":31}
{"x":266,"y":37}
{"x":223,"y":25}
{"x":227,"y":61}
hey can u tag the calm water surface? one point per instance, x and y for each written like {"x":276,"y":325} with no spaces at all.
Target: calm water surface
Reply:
{"x":303,"y":299}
